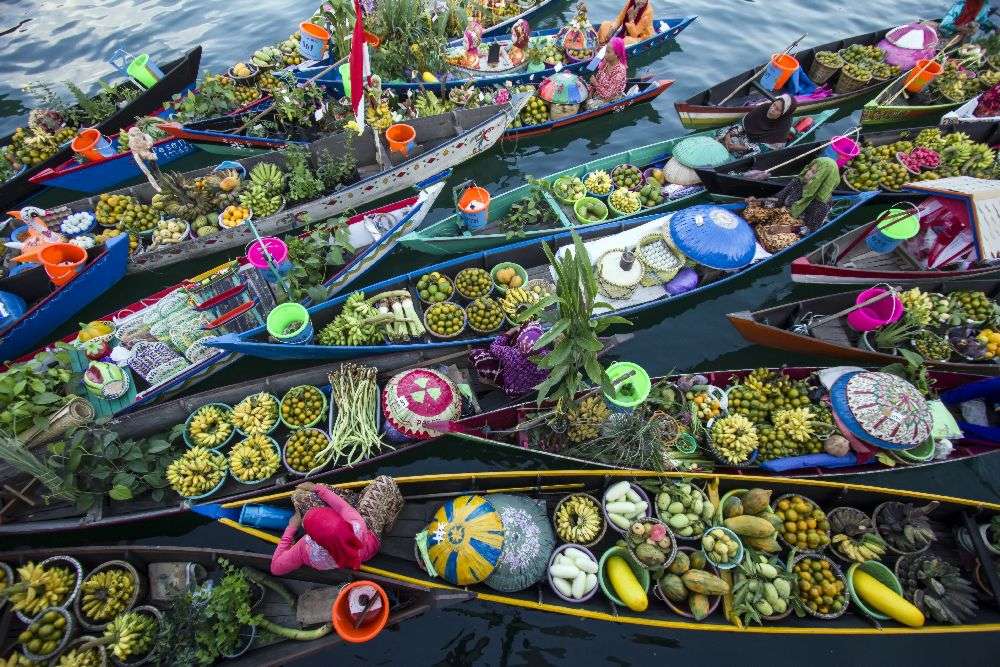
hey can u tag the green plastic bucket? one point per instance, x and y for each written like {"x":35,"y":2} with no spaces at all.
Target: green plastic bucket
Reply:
{"x":279,"y":319}
{"x":144,"y":71}
{"x":878,"y":571}
{"x":630,"y":393}
{"x":579,"y":210}
{"x":345,"y":78}
{"x":640,"y":573}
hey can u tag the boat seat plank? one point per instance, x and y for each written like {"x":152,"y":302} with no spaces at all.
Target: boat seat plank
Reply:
{"x":835,"y":332}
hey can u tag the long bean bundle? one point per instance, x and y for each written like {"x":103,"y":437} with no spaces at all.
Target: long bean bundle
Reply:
{"x":354,"y":436}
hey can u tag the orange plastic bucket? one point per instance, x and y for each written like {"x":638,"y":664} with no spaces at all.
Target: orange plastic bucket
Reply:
{"x":474,"y":207}
{"x":779,"y":71}
{"x":312,"y":40}
{"x":343,"y":622}
{"x":92,"y":145}
{"x":62,"y":261}
{"x":402,"y":138}
{"x":922,"y":74}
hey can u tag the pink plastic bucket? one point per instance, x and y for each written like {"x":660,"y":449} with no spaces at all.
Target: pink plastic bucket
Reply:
{"x":279,"y":254}
{"x":843,"y":150}
{"x":882,"y":312}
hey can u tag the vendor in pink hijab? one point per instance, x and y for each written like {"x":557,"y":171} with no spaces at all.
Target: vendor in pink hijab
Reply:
{"x":608,"y":84}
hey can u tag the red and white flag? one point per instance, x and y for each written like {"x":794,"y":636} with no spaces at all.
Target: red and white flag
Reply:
{"x":360,"y":65}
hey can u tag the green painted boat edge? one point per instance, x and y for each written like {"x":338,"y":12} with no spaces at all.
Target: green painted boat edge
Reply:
{"x":446,"y":237}
{"x":881,"y":114}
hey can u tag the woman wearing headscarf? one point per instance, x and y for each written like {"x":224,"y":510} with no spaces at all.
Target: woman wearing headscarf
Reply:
{"x":807,"y":196}
{"x":634,"y":23}
{"x":767,"y":124}
{"x":608,"y":83}
{"x":966,"y":17}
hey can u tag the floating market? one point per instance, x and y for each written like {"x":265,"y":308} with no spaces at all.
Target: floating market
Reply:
{"x":398,"y":319}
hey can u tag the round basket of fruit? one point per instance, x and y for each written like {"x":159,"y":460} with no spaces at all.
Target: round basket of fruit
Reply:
{"x":234,"y":216}
{"x":48,"y":634}
{"x":244,"y":74}
{"x":257,"y":414}
{"x":854,"y":538}
{"x":434,"y":287}
{"x":484,"y":315}
{"x":83,"y":651}
{"x":806,"y":527}
{"x":598,"y":184}
{"x":572,"y":572}
{"x":473,"y":282}
{"x":55,"y":582}
{"x":508,"y":275}
{"x":111,"y":588}
{"x":976,"y":305}
{"x":722,"y":547}
{"x":134,"y":634}
{"x":627,"y":176}
{"x":302,"y":406}
{"x":254,"y":459}
{"x":445,"y":320}
{"x":302,"y":452}
{"x":651,"y":194}
{"x":624,"y":202}
{"x":931,"y":346}
{"x":825,"y":65}
{"x":625,"y":503}
{"x":733,"y":440}
{"x":589,"y":210}
{"x":651,"y":543}
{"x":197,"y":473}
{"x":170,"y":231}
{"x":905,"y":527}
{"x":568,"y":189}
{"x":210,"y":426}
{"x":685,"y":508}
{"x":822,"y":586}
{"x":691,"y":586}
{"x":578,"y":520}
{"x":852,"y":77}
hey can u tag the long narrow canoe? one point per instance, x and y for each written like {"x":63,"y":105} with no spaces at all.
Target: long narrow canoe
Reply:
{"x":777,"y":327}
{"x":530,"y":255}
{"x":900,"y":111}
{"x":443,"y":141}
{"x":427,"y":493}
{"x":665,"y":30}
{"x":406,"y":600}
{"x":231,"y":308}
{"x":847,"y":260}
{"x":178,"y":75}
{"x":705,"y":109}
{"x":48,"y":307}
{"x":451,"y":237}
{"x":496,"y":428}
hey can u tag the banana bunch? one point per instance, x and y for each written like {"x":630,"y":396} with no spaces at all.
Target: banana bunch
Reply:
{"x":106,"y":594}
{"x":859,"y":549}
{"x":517,"y":301}
{"x":40,"y":587}
{"x":379,"y":117}
{"x":196,"y":471}
{"x":131,"y":634}
{"x":578,"y":520}
{"x":918,"y":305}
{"x":210,"y":426}
{"x":253,"y":459}
{"x":734,"y":438}
{"x":80,"y":657}
{"x":795,"y":424}
{"x":585,"y":422}
{"x":428,"y":104}
{"x":269,"y":177}
{"x":256,"y":414}
{"x":359,"y":323}
{"x":16,"y":660}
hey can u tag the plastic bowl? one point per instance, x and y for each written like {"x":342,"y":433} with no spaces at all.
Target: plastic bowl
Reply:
{"x":564,"y":179}
{"x":641,"y":574}
{"x":558,"y":550}
{"x":739,"y":552}
{"x":588,"y":201}
{"x":502,"y":289}
{"x":187,"y":424}
{"x":879,"y":572}
{"x":642,"y":494}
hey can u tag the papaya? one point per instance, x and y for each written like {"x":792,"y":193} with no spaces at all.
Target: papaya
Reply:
{"x":882,"y":598}
{"x":699,"y":606}
{"x":756,"y":501}
{"x":681,"y":563}
{"x":733,"y":507}
{"x":626,"y":586}
{"x":697,"y":561}
{"x":766,"y":544}
{"x":750,"y":526}
{"x":706,"y":583}
{"x":672,"y":587}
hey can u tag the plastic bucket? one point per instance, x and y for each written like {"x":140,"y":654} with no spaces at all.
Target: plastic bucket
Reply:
{"x":62,"y":261}
{"x":891,"y":228}
{"x":583,"y":206}
{"x":92,"y":145}
{"x":922,"y":74}
{"x":12,"y":307}
{"x":884,"y":311}
{"x":474,"y":207}
{"x":843,"y":150}
{"x":345,"y":78}
{"x":779,"y":71}
{"x":144,"y":71}
{"x":343,"y":621}
{"x":625,"y":399}
{"x":279,"y":319}
{"x":265,"y":517}
{"x":312,"y":40}
{"x":402,"y":138}
{"x":278,"y":251}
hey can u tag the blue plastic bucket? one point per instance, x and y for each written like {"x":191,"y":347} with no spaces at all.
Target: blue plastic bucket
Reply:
{"x":474,"y":207}
{"x":265,"y":517}
{"x":281,"y":316}
{"x":11,"y":308}
{"x":312,"y":40}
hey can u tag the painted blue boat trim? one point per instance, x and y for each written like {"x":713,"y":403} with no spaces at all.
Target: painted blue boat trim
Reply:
{"x":335,"y":85}
{"x":106,"y":175}
{"x":244,"y":343}
{"x":61,"y":304}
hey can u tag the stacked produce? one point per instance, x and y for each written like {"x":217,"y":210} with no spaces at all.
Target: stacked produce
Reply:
{"x":804,"y":524}
{"x":585,"y":421}
{"x":721,"y":548}
{"x":170,"y":231}
{"x":210,"y":426}
{"x":302,"y":406}
{"x":749,"y":515}
{"x":854,"y":536}
{"x":623,"y":505}
{"x":473,"y":283}
{"x":685,"y":508}
{"x":358,"y":323}
{"x":650,"y":543}
{"x":688,"y":580}
{"x":535,"y":112}
{"x":905,"y":527}
{"x":107,"y":593}
{"x":821,"y":588}
{"x":256,"y":414}
{"x":763,"y":588}
{"x":130,"y":635}
{"x":627,"y":176}
{"x":938,"y":589}
{"x":81,"y":656}
{"x":45,"y":634}
{"x":625,"y":201}
{"x":39,"y":587}
{"x":578,"y":520}
{"x":264,"y":193}
{"x":598,"y":182}
{"x":508,"y":278}
{"x":573,"y":573}
{"x":254,"y":459}
{"x":34,"y":145}
{"x":651,"y":194}
{"x":354,"y":436}
{"x":734,"y":439}
{"x":196,"y":472}
{"x":434,"y":287}
{"x":303,"y":448}
{"x":485,"y":314}
{"x":569,"y":188}
{"x":445,"y":319}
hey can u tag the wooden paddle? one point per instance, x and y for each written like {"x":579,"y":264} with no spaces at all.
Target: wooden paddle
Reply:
{"x":764,"y":174}
{"x":760,"y":72}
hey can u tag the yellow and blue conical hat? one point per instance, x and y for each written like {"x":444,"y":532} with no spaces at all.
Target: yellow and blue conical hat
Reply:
{"x":464,"y":540}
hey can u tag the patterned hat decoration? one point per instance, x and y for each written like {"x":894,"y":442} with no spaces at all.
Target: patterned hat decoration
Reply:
{"x":527,"y":543}
{"x":713,"y":236}
{"x":882,"y":409}
{"x":416,"y":397}
{"x":563,"y":88}
{"x":465,"y":539}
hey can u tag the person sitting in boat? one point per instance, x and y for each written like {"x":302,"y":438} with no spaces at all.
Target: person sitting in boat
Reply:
{"x":520,"y":34}
{"x":808,"y":196}
{"x":634,"y":23}
{"x":766,"y":125}
{"x":337,"y":534}
{"x":965,"y":18}
{"x":608,"y":84}
{"x":473,"y":38}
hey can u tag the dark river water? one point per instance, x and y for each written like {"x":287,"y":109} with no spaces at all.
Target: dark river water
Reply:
{"x":69,"y":40}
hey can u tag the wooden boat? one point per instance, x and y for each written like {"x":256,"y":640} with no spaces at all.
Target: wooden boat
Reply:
{"x":425,"y":495}
{"x":529,"y":255}
{"x":775,"y":327}
{"x":442,"y":142}
{"x":178,"y":75}
{"x":666,"y":29}
{"x":705,"y":110}
{"x":847,"y":260}
{"x":901,"y":111}
{"x":533,"y":9}
{"x":451,"y":237}
{"x":407,"y":600}
{"x":498,"y":428}
{"x":231,"y":296}
{"x":49,"y":306}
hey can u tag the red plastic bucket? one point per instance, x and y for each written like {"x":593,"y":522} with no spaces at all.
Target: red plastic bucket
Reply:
{"x":62,"y":261}
{"x":779,"y":71}
{"x":343,"y":620}
{"x":922,"y":74}
{"x":92,"y":145}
